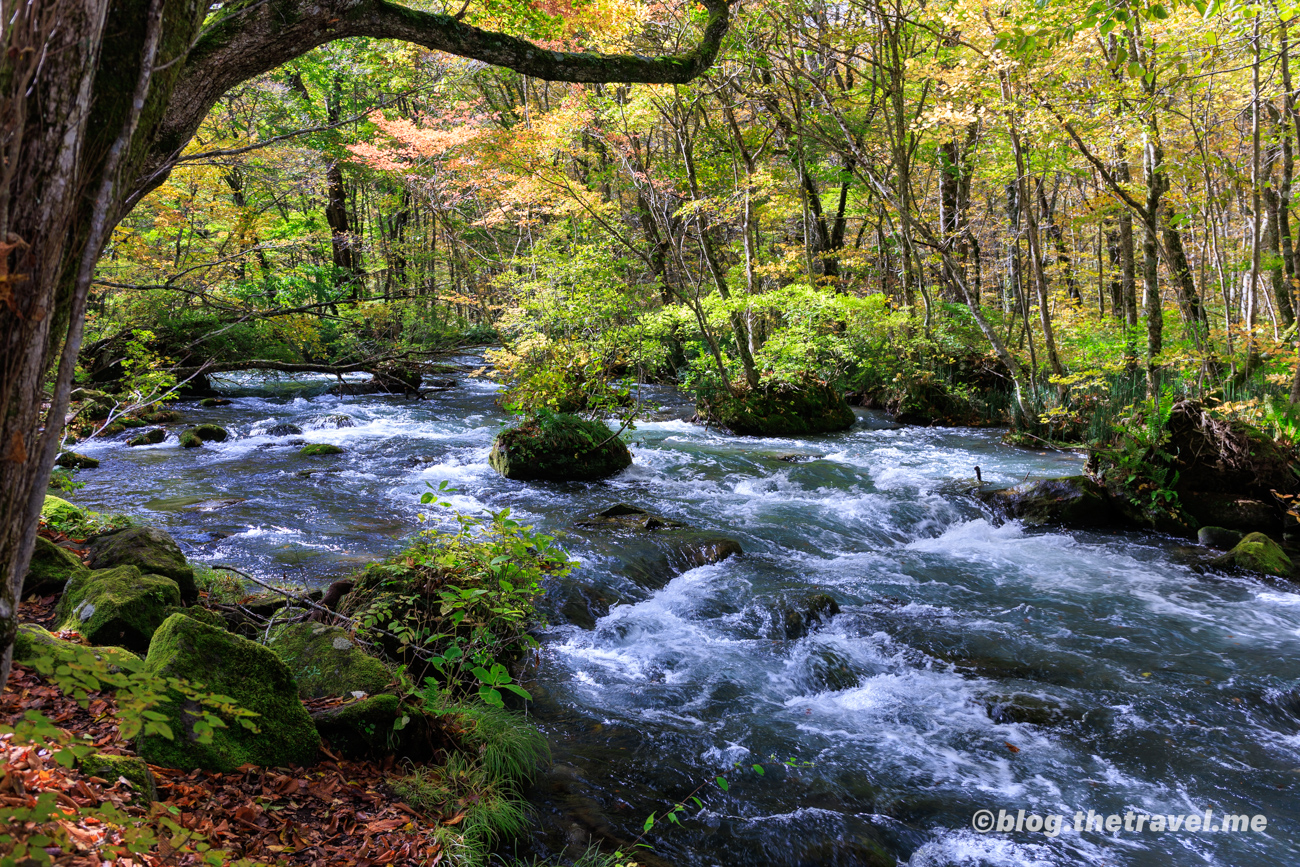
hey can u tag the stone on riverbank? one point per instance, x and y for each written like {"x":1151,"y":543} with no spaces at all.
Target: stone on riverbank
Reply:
{"x":326,"y":661}
{"x":374,"y":727}
{"x":559,"y":448}
{"x":248,"y":673}
{"x":50,"y":569}
{"x":151,"y":550}
{"x":121,"y":606}
{"x":781,"y":410}
{"x":1219,"y":537}
{"x":1257,"y":553}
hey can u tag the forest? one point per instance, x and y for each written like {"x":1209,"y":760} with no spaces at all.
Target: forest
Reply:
{"x":863,"y":307}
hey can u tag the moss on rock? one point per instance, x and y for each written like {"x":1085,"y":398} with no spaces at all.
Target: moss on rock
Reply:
{"x":326,"y":661}
{"x":50,"y":569}
{"x":780,"y":410}
{"x":130,"y":768}
{"x":320,"y":449}
{"x":1257,"y":553}
{"x":190,"y":440}
{"x":34,"y":642}
{"x":119,"y":606}
{"x":248,"y":673}
{"x":375,"y":727}
{"x":76,"y":461}
{"x":60,"y":511}
{"x":559,"y":448}
{"x":208,"y":433}
{"x":148,"y":438}
{"x":148,"y":548}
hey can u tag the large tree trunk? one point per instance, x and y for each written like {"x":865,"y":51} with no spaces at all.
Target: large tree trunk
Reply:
{"x":104,"y":122}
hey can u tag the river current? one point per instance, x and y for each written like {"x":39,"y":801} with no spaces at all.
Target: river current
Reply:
{"x":973,"y":666}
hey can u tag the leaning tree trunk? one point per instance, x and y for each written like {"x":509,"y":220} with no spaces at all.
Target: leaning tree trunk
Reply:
{"x":93,"y":117}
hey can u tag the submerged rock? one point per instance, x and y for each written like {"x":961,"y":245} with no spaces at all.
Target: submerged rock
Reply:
{"x":1219,"y":537}
{"x":1029,"y":709}
{"x":326,"y":661}
{"x":149,"y":549}
{"x":1257,"y":553}
{"x":1075,"y":501}
{"x":781,"y":410}
{"x":76,"y":461}
{"x":796,"y":617}
{"x":653,"y":549}
{"x":283,"y":430}
{"x":559,"y":448}
{"x":252,"y":676}
{"x":335,"y":421}
{"x":148,"y":438}
{"x":50,"y":569}
{"x":119,"y":606}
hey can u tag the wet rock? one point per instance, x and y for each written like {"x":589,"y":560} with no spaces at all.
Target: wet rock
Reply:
{"x":1257,"y":553}
{"x":120,"y":606}
{"x":828,"y":671}
{"x":1074,"y":501}
{"x":559,"y":448}
{"x":582,"y":605}
{"x":337,"y":421}
{"x":214,"y":504}
{"x":796,"y":617}
{"x":859,"y":851}
{"x":148,"y":438}
{"x":151,"y":550}
{"x":1219,"y":537}
{"x":797,"y":459}
{"x":203,"y":433}
{"x":327,"y":662}
{"x":76,"y":461}
{"x":283,"y":430}
{"x":1029,"y":709}
{"x":114,"y":769}
{"x":214,"y":401}
{"x":252,"y":676}
{"x":320,"y":449}
{"x":780,"y":410}
{"x":628,"y":518}
{"x":162,"y":416}
{"x":50,"y":569}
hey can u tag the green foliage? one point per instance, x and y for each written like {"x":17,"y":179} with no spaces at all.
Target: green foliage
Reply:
{"x":460,"y":603}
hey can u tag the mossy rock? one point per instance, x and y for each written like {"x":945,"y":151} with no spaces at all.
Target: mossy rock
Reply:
{"x":214,"y":401}
{"x":111,"y":769}
{"x":375,"y":727}
{"x":320,"y":449}
{"x":559,"y":448}
{"x":210,"y":433}
{"x":201,"y":614}
{"x":148,"y":438}
{"x":1257,"y":553}
{"x":190,"y":440}
{"x":1219,"y":537}
{"x":60,"y":511}
{"x":781,"y":411}
{"x":120,"y":606}
{"x":248,"y":673}
{"x":796,"y":617}
{"x":1074,"y":501}
{"x":148,"y":548}
{"x":326,"y":661}
{"x":162,"y":416}
{"x":50,"y":569}
{"x":75,"y":461}
{"x":32,"y":643}
{"x":112,"y":430}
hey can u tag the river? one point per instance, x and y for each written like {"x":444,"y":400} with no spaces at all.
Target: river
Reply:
{"x":972,"y":666}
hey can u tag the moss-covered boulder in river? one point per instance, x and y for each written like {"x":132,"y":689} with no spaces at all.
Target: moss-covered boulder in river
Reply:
{"x":119,"y":606}
{"x":203,"y":433}
{"x":1074,"y":501}
{"x":556,"y":447}
{"x":320,"y":449}
{"x":76,"y":461}
{"x":781,"y":410}
{"x":326,"y":661}
{"x":1257,"y":553}
{"x":50,"y":569}
{"x":148,"y":548}
{"x":149,"y":438}
{"x":219,"y":662}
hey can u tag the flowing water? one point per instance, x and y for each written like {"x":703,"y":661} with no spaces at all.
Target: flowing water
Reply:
{"x":972,"y":666}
